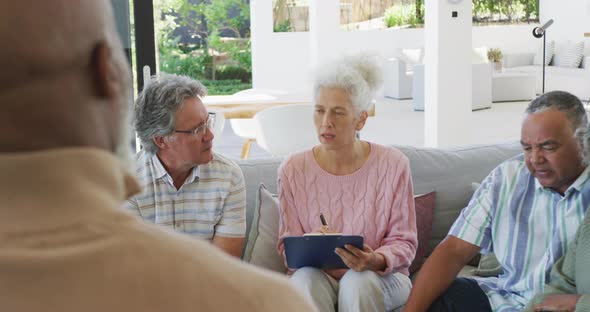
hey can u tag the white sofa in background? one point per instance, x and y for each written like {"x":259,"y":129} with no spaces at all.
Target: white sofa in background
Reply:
{"x":397,"y":80}
{"x":573,"y":80}
{"x":481,"y":83}
{"x":513,"y":86}
{"x":398,"y":72}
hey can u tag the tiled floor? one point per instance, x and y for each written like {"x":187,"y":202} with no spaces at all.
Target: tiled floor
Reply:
{"x":396,"y":122}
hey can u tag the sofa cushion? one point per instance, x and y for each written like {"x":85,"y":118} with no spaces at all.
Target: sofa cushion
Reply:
{"x":424,"y":205}
{"x":549,"y":51}
{"x":569,"y":56}
{"x":551,"y":72}
{"x":261,"y":246}
{"x":450,"y":172}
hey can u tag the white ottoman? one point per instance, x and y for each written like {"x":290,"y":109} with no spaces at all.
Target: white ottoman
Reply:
{"x":512,"y":87}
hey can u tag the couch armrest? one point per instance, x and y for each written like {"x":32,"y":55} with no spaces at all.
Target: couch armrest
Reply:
{"x":396,"y":65}
{"x":518,"y":59}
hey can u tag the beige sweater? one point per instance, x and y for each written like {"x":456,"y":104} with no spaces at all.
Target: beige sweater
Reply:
{"x":66,"y":245}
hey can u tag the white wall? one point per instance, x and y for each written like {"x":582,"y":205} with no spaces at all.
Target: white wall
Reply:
{"x":283,"y":60}
{"x":571,"y":20}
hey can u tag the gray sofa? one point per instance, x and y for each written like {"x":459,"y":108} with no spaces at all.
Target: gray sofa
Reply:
{"x":449,"y":172}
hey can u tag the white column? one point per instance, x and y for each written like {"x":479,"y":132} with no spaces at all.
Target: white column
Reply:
{"x":447,"y":76}
{"x":324,"y":24}
{"x":261,"y":31}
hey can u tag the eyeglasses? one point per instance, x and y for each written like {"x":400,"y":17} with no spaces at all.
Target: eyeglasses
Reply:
{"x":209,"y":124}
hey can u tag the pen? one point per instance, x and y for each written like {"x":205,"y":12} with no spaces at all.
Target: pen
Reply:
{"x":323,"y":219}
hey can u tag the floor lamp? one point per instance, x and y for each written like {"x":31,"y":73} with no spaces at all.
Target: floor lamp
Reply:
{"x":539,"y":32}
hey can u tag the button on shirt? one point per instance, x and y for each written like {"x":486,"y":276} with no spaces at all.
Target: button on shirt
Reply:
{"x":212,"y":200}
{"x":527,"y":226}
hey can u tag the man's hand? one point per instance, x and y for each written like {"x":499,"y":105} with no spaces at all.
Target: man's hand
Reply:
{"x":361,"y":260}
{"x":558,"y":303}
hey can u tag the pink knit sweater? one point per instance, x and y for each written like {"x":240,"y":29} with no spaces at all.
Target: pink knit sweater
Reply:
{"x":375,"y":202}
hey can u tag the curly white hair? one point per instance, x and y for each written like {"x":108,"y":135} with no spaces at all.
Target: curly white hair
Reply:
{"x":359,"y":76}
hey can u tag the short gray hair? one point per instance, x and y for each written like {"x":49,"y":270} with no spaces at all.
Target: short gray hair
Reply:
{"x":574,"y":111}
{"x":564,"y":102}
{"x":157,"y":104}
{"x":359,"y":76}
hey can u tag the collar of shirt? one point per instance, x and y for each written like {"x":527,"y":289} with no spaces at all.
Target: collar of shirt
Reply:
{"x":161,"y":173}
{"x":578,"y":184}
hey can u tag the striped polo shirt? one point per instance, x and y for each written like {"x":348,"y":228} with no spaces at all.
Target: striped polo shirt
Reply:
{"x":527,"y":226}
{"x":211,"y":202}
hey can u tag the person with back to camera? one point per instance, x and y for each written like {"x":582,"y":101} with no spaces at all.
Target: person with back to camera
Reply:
{"x":66,"y":244}
{"x":361,"y":188}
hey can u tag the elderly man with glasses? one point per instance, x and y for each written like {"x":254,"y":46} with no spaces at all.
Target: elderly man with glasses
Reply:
{"x":186,"y":185}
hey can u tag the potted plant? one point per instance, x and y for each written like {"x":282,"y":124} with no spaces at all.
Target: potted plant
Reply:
{"x":495,"y":56}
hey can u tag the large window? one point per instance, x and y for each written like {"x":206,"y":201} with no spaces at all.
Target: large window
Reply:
{"x":208,"y":40}
{"x":380,"y":14}
{"x":487,"y":12}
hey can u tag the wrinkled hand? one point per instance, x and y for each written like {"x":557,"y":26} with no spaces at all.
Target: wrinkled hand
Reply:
{"x":558,"y":303}
{"x":361,"y":260}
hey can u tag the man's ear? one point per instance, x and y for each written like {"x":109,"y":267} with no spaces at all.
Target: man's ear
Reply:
{"x":160,"y":141}
{"x":362,"y":119}
{"x":106,"y":82}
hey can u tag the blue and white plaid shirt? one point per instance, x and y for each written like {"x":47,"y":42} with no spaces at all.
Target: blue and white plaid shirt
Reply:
{"x":527,"y":226}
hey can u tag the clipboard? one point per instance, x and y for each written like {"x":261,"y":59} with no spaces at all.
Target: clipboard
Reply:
{"x":318,"y":251}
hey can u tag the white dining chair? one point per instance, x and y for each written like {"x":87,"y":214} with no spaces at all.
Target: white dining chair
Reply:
{"x":245,"y":128}
{"x":282,"y":130}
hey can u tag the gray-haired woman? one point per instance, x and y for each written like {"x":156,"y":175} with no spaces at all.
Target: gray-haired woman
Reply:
{"x":362,"y":188}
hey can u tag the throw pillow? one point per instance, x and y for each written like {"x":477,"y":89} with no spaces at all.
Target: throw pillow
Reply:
{"x":570,"y":55}
{"x":549,"y":51}
{"x":261,"y":246}
{"x":488,"y":266}
{"x":424,"y":205}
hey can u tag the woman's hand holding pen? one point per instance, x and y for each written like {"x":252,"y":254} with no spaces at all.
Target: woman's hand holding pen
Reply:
{"x":324,"y":228}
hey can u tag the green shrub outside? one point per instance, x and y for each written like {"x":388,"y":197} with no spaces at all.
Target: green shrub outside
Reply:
{"x":225,"y":87}
{"x":283,"y":27}
{"x":401,"y":15}
{"x":228,"y":72}
{"x":189,"y":61}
